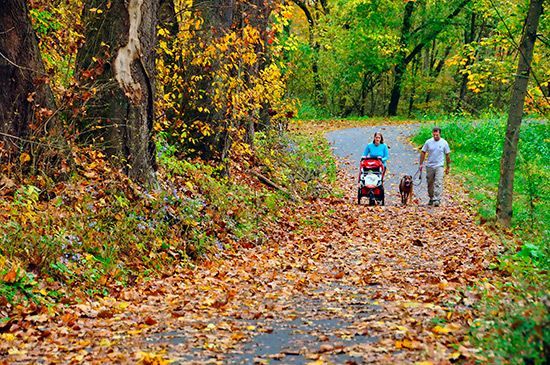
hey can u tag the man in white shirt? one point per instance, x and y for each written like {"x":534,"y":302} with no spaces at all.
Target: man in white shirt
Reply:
{"x":438,"y":153}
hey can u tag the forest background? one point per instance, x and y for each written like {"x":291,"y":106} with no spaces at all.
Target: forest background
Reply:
{"x":134,"y":133}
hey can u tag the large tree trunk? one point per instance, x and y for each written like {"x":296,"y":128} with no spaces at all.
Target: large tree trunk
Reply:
{"x":27,"y":121}
{"x":259,"y":15}
{"x":221,"y":18}
{"x":117,"y":64}
{"x":504,"y":209}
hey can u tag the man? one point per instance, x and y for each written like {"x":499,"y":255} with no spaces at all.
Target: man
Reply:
{"x":438,"y":153}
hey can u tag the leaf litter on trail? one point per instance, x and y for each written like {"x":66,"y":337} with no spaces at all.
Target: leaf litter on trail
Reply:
{"x":364,"y":284}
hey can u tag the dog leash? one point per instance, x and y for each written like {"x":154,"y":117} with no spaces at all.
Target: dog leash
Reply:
{"x":418,"y":172}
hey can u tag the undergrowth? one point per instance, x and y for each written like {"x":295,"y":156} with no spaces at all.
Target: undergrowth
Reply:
{"x":99,"y":232}
{"x":515,"y":325}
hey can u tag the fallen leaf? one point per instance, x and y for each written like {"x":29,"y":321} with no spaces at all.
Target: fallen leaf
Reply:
{"x":439,"y":329}
{"x":150,"y":321}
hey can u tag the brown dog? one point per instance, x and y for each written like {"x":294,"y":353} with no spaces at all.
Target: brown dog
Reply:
{"x":406,"y":189}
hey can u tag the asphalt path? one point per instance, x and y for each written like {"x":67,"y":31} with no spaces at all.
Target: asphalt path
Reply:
{"x":349,"y":144}
{"x":331,"y":316}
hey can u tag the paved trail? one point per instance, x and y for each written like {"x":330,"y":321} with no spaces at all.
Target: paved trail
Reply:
{"x":349,"y":145}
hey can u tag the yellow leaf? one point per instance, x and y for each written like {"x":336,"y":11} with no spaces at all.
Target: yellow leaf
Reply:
{"x":14,"y":351}
{"x":151,"y":359}
{"x":24,"y":157}
{"x":105,"y":342}
{"x":439,"y":329}
{"x":8,"y":337}
{"x":455,"y":355}
{"x":237,"y":336}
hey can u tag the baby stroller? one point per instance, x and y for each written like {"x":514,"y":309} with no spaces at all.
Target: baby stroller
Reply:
{"x":371,"y":181}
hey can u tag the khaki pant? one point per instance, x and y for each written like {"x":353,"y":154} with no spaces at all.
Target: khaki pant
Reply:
{"x":434,"y":178}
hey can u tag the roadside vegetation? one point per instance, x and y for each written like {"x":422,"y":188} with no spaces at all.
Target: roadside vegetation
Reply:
{"x":98,"y":232}
{"x":514,"y":324}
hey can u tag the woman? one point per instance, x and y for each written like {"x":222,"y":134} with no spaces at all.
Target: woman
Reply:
{"x":377,"y":149}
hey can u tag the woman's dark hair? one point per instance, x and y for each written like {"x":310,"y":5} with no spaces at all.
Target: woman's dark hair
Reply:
{"x":381,"y":137}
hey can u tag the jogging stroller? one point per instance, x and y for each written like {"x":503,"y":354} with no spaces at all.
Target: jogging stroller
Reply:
{"x":371,"y":181}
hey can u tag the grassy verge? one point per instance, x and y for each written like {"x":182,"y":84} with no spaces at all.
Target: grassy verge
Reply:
{"x":514,"y":325}
{"x":99,"y":232}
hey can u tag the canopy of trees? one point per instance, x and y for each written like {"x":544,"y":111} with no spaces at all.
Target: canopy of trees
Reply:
{"x":377,"y":58}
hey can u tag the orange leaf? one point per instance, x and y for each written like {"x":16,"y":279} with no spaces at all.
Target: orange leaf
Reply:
{"x":24,"y":157}
{"x":11,"y":277}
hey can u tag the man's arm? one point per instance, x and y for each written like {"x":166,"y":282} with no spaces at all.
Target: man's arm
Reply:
{"x":448,"y":159}
{"x":421,"y":162}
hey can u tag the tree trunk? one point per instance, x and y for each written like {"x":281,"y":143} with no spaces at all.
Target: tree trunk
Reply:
{"x":401,"y":65}
{"x":117,"y":64}
{"x":504,"y":209}
{"x":28,"y":123}
{"x":221,"y":18}
{"x":469,"y":38}
{"x":168,"y":22}
{"x":318,"y":91}
{"x":258,"y":15}
{"x":435,"y":71}
{"x":413,"y":89}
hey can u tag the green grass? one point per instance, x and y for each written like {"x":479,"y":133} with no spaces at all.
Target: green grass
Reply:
{"x":514,"y":325}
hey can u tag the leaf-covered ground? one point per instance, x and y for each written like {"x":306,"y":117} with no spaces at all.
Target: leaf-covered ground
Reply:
{"x":335,"y":283}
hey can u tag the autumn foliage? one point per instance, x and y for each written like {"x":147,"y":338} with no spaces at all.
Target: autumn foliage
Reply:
{"x":249,"y":228}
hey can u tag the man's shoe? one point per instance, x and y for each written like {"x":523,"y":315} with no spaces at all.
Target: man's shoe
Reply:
{"x":436,"y":203}
{"x":430,"y":202}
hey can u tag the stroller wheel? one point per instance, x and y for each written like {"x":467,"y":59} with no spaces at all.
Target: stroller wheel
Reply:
{"x":359,"y":196}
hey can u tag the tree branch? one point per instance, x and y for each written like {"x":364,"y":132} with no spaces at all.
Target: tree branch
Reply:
{"x":270,"y":183}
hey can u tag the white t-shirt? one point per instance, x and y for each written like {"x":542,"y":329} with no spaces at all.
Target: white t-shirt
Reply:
{"x":436,"y":152}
